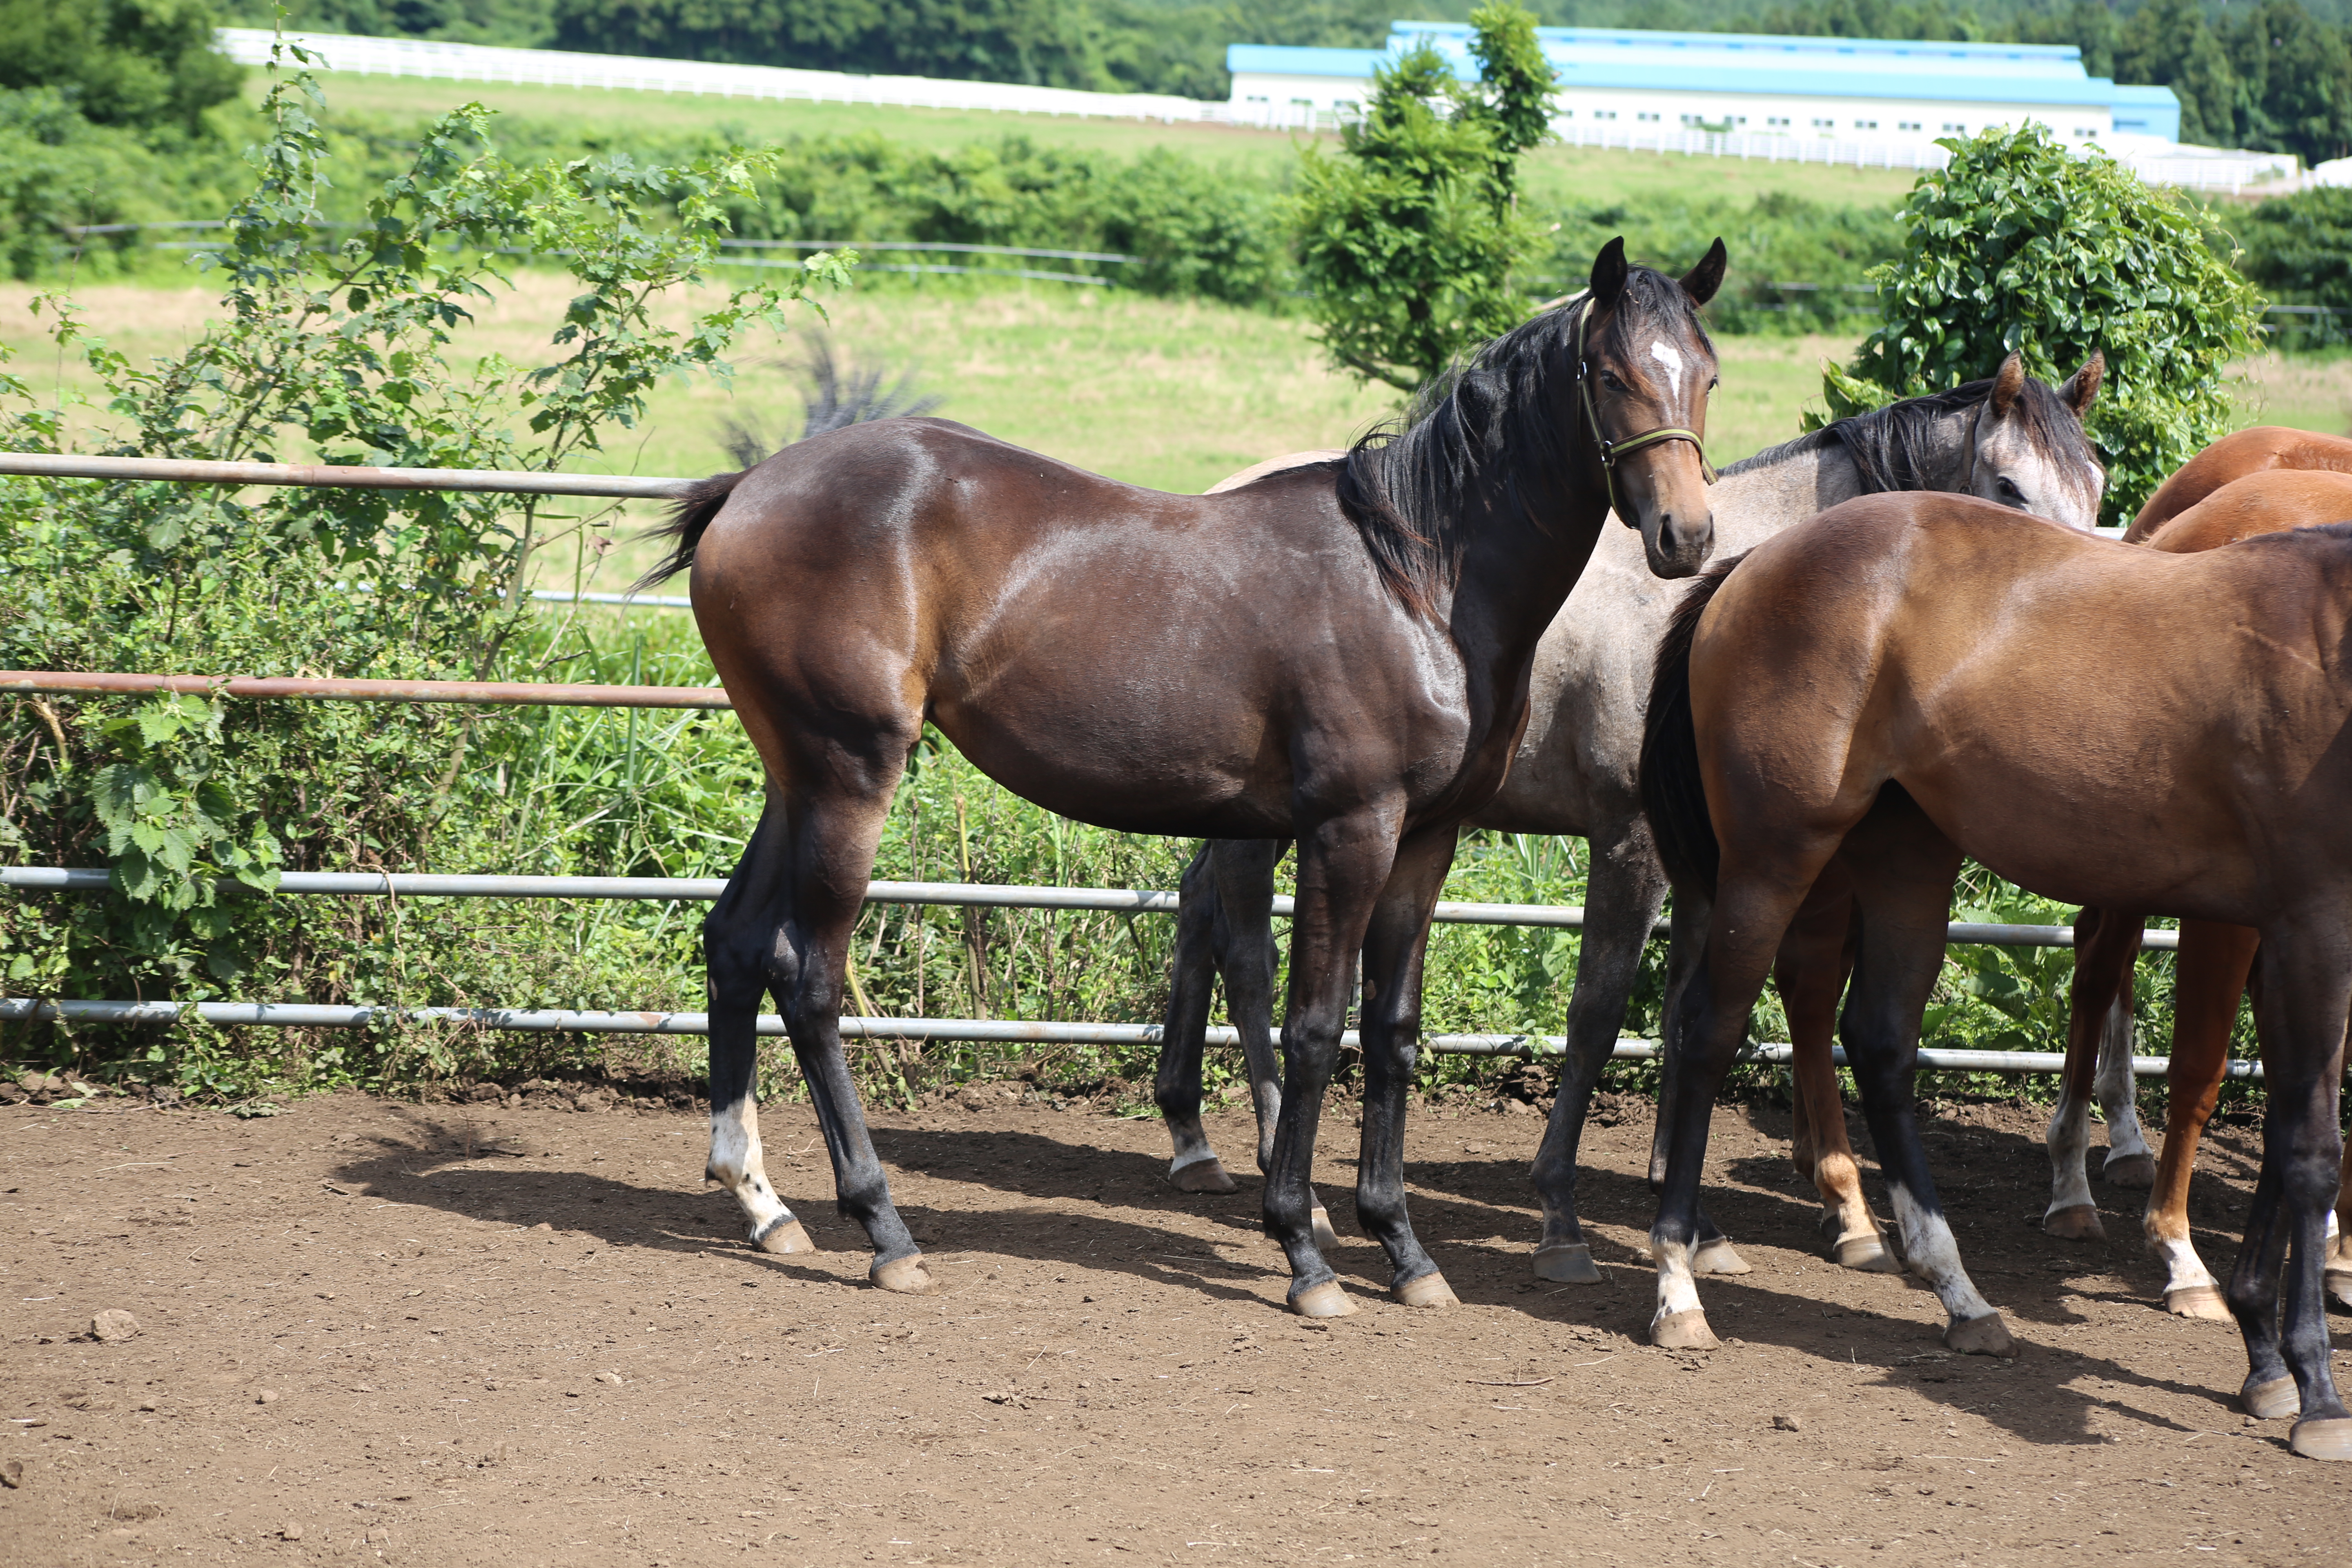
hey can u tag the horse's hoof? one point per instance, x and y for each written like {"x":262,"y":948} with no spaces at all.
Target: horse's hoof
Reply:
{"x":2322,"y":1439}
{"x":1987,"y":1335}
{"x":1201,"y":1176}
{"x":2137,"y":1172}
{"x":2276,"y":1401}
{"x":1682,"y":1332}
{"x":905,"y":1275}
{"x":1425,"y":1290}
{"x":1325,"y":1238}
{"x":1866,"y":1252}
{"x":1717,"y":1256}
{"x":784,"y":1236}
{"x":2338,"y":1285}
{"x":1566,"y":1264}
{"x":2200,"y":1301}
{"x":1324,"y":1300}
{"x":2076,"y":1222}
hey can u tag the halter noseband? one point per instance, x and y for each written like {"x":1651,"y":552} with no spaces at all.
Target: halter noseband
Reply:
{"x":1611,"y":451}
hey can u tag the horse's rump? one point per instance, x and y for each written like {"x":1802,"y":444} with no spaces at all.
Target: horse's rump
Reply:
{"x":2261,"y":449}
{"x":2265,"y":502}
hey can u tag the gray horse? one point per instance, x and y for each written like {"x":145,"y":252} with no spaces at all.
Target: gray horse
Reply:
{"x":2010,"y":439}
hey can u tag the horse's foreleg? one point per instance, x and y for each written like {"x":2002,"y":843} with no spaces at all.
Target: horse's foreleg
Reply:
{"x":2105,"y":940}
{"x":1192,"y":982}
{"x":1903,"y":869}
{"x":2300,"y":1009}
{"x":2208,"y":980}
{"x":1714,"y":1253}
{"x":1624,"y":893}
{"x":1811,"y":972}
{"x":1393,"y":947}
{"x":1244,"y":945}
{"x":1343,"y":864}
{"x":740,"y":939}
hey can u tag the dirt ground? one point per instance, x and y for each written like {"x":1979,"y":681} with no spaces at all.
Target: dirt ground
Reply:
{"x":378,"y":1332}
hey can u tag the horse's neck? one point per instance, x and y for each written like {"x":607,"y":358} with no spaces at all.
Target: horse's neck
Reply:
{"x":1792,"y":485}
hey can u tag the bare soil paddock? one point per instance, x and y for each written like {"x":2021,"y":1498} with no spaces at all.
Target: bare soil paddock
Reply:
{"x":435,"y":1335}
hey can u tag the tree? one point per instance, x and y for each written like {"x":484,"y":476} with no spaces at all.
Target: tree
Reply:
{"x":1409,"y":238}
{"x":2021,"y":245}
{"x":145,"y":64}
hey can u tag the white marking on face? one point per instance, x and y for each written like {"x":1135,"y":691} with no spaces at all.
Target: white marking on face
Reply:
{"x":1671,"y":359}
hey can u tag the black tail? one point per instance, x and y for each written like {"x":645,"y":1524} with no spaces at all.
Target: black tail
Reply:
{"x":1673,"y":797}
{"x":688,"y":515}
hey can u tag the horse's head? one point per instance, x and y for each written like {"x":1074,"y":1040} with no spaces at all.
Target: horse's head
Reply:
{"x":1646,"y":373}
{"x":2028,"y":450}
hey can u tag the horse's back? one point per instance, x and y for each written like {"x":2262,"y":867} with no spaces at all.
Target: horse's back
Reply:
{"x":2267,"y":503}
{"x":2259,"y":450}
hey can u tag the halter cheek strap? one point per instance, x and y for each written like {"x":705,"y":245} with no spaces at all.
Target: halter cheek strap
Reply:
{"x":1611,"y":451}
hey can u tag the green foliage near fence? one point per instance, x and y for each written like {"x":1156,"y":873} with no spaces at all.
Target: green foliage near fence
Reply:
{"x":2021,"y":245}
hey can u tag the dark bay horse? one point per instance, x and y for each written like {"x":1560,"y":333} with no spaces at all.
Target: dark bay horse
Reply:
{"x":1908,"y":680}
{"x":1338,"y":654}
{"x":2210,"y":973}
{"x":2010,"y":437}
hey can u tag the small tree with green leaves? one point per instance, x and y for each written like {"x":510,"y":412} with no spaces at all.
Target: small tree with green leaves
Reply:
{"x":2021,"y":245}
{"x":1408,"y":240}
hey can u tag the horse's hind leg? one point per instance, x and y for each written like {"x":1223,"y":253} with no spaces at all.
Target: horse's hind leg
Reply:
{"x":2105,"y":942}
{"x":1810,"y":973}
{"x":2300,"y":1008}
{"x":739,"y":936}
{"x":1903,"y":869}
{"x":1192,"y":983}
{"x":2208,"y":980}
{"x":1622,"y":897}
{"x":1243,"y":942}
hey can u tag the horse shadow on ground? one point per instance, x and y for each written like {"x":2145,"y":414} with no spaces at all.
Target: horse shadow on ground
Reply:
{"x":1474,"y":1214}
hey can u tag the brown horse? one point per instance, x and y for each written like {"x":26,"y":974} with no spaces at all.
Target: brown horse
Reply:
{"x":1338,"y":654}
{"x":2232,"y":457}
{"x":2208,"y":976}
{"x":1912,"y":678}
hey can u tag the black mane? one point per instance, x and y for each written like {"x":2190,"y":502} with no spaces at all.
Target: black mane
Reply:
{"x":1891,"y":447}
{"x":1487,"y":435}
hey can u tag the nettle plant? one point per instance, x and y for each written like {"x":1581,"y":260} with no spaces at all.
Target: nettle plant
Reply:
{"x":341,"y":346}
{"x":2022,"y":244}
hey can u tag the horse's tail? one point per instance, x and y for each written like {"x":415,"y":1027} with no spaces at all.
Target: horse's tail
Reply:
{"x":1673,"y":797}
{"x":689,"y":514}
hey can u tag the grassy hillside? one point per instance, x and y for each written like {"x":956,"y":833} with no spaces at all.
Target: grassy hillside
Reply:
{"x":1554,"y":175}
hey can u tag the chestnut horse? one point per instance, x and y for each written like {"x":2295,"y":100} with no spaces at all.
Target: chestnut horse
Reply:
{"x":1907,"y":680}
{"x":1337,"y":654}
{"x":2232,"y":457}
{"x":2210,"y":973}
{"x":2010,"y":437}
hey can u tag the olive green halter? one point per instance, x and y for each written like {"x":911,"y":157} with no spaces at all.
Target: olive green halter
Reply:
{"x":1611,"y":451}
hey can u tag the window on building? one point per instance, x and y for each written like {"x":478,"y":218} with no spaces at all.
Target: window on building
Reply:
{"x":1740,"y":119}
{"x":1825,"y":124}
{"x":1776,"y":120}
{"x":1954,"y":125}
{"x":2084,"y":131}
{"x":1604,"y":114}
{"x":1907,"y":125}
{"x":1866,"y":125}
{"x":1643,"y":114}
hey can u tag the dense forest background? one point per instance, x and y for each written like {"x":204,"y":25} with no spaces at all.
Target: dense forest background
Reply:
{"x":2275,"y":76}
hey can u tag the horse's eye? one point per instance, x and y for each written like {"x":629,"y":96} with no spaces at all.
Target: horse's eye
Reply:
{"x":1609,"y":379}
{"x":2009,"y":491}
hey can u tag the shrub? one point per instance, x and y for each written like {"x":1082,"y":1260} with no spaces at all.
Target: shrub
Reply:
{"x":2021,"y":245}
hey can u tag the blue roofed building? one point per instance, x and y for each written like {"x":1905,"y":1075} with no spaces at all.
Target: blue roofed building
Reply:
{"x":1624,"y":86}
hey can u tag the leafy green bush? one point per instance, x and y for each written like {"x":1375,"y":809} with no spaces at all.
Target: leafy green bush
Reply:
{"x":1409,"y":241}
{"x":2021,"y":245}
{"x":340,"y":349}
{"x":2299,"y":249}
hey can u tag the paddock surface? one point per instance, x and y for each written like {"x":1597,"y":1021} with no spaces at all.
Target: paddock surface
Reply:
{"x":443,"y":1335}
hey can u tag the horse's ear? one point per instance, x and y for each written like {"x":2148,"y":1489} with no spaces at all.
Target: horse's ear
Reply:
{"x":1609,"y":274}
{"x":1701,"y":281}
{"x":2007,"y":382}
{"x":2082,"y":388}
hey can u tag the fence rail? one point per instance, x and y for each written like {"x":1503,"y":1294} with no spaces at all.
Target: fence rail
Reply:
{"x":998,"y":1031}
{"x":498,"y":693}
{"x":972,"y":895}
